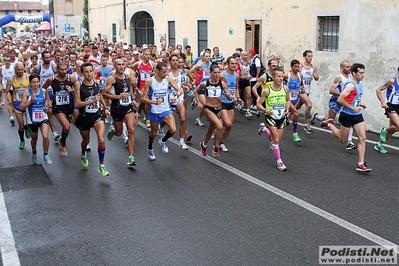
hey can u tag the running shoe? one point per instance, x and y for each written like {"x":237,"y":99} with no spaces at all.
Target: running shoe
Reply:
{"x":125,"y":141}
{"x":22,"y":145}
{"x":383,"y":135}
{"x":239,"y":107}
{"x":63,"y":150}
{"x":12,"y":121}
{"x":88,"y":148}
{"x":203,"y":148}
{"x":281,"y":166}
{"x":326,"y":123}
{"x":198,"y":122}
{"x":164,"y":146}
{"x":363,"y":168}
{"x":34,"y":158}
{"x":314,"y":118}
{"x":308,"y":129}
{"x":258,"y":113}
{"x":223,"y":148}
{"x":183,"y":146}
{"x":27,"y":132}
{"x":351,"y":146}
{"x":84,"y":161}
{"x":296,"y":137}
{"x":271,"y":145}
{"x":103,"y":170}
{"x":248,"y":113}
{"x":109,"y":133}
{"x":215,"y":151}
{"x":380,"y":148}
{"x":56,"y":136}
{"x":287,"y":120}
{"x":151,"y":155}
{"x":131,"y":161}
{"x":261,"y":129}
{"x":189,"y":137}
{"x":253,"y":107}
{"x":193,"y":104}
{"x":47,"y":160}
{"x":138,"y":119}
{"x":148,"y":123}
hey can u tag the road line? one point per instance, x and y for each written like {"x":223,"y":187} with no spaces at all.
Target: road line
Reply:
{"x":9,"y":254}
{"x":322,"y":213}
{"x":316,"y":210}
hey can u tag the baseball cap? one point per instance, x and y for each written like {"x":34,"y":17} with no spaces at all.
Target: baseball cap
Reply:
{"x":145,"y":46}
{"x":135,"y":52}
{"x":252,"y":51}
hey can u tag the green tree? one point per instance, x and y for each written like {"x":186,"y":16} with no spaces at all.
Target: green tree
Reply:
{"x":27,"y":28}
{"x":85,"y":19}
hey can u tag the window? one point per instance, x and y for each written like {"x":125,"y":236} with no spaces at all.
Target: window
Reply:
{"x":202,"y":27}
{"x":253,"y":35}
{"x":171,"y":33}
{"x":328,"y":33}
{"x":29,"y":11}
{"x":20,"y":11}
{"x":38,"y":11}
{"x":113,"y":32}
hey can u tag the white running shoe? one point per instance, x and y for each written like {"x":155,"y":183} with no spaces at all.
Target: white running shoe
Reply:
{"x":281,"y":166}
{"x":198,"y":122}
{"x":183,"y":146}
{"x":164,"y":146}
{"x":223,"y":148}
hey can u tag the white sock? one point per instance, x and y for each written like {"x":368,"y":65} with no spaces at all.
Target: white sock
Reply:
{"x":350,"y":134}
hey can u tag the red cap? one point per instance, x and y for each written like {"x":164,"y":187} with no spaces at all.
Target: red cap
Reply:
{"x":252,"y":51}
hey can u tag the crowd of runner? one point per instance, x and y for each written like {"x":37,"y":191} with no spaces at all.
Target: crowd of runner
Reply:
{"x":94,"y":83}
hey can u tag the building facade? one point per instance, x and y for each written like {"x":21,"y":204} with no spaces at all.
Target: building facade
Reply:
{"x":66,"y":17}
{"x":357,"y":30}
{"x":25,"y":9}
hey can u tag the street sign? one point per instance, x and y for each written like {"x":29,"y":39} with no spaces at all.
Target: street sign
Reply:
{"x":67,"y":27}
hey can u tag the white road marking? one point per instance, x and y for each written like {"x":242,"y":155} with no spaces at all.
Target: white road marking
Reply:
{"x":9,"y":254}
{"x":322,"y":213}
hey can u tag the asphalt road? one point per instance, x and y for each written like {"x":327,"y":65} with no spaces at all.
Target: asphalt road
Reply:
{"x":186,"y":209}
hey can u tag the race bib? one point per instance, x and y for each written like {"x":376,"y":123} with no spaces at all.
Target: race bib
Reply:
{"x":395,"y":99}
{"x":307,"y":82}
{"x":214,"y":92}
{"x":144,"y":76}
{"x":19,"y":95}
{"x":62,"y":98}
{"x":294,"y":95}
{"x":38,"y":115}
{"x":93,"y":107}
{"x":126,"y":101}
{"x":232,"y":90}
{"x":278,"y":111}
{"x":184,"y":79}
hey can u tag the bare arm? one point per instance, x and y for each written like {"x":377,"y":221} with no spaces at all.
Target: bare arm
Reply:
{"x":315,"y":74}
{"x":333,"y":88}
{"x":258,"y":83}
{"x":341,"y":99}
{"x":379,"y":90}
{"x":261,"y":99}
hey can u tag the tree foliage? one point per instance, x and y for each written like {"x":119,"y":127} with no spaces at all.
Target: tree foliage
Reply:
{"x":85,"y":19}
{"x":27,"y":28}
